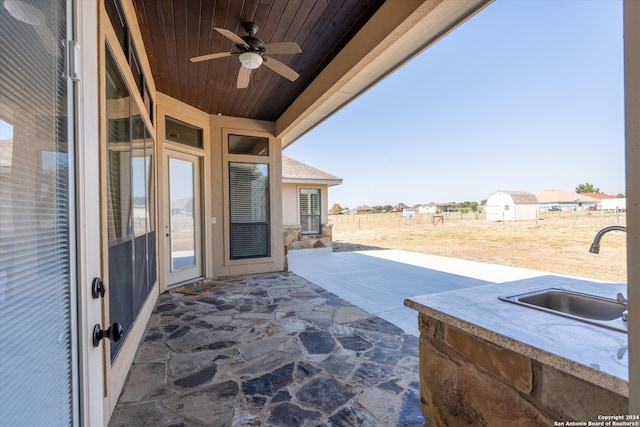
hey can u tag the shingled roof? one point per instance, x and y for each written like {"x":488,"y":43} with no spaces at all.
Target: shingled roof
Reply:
{"x":295,"y":172}
{"x":521,"y":197}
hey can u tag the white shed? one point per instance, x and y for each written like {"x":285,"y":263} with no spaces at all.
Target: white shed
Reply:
{"x":511,"y":206}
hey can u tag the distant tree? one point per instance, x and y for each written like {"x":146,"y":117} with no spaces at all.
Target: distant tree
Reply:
{"x":587,"y":188}
{"x":621,"y":196}
{"x":468,"y":206}
{"x":335,"y":209}
{"x":483,"y":202}
{"x":381,"y":208}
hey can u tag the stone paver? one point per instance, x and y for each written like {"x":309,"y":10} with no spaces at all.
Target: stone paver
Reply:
{"x":270,"y":350}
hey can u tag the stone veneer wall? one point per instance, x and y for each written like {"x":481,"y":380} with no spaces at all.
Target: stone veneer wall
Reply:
{"x":465,"y":380}
{"x":294,"y":239}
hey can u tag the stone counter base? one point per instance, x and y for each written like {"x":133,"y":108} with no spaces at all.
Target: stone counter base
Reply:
{"x":465,"y":380}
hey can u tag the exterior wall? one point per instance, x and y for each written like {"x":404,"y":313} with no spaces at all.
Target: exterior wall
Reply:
{"x":569,"y":206}
{"x":614,"y":204}
{"x":290,"y":203}
{"x":427,"y":209}
{"x":525,"y":212}
{"x":408,"y":213}
{"x":293,"y":237}
{"x":324,"y":204}
{"x":465,"y":380}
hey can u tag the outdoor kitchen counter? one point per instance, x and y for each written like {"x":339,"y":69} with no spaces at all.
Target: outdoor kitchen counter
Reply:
{"x":594,"y":354}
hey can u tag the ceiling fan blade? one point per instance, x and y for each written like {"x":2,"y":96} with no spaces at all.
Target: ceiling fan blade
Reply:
{"x":232,"y":36}
{"x":211,"y":56}
{"x":280,"y":68}
{"x":283,"y":48}
{"x":244,"y":75}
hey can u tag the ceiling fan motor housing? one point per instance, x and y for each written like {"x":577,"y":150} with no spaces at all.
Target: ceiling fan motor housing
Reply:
{"x":255,"y":45}
{"x":250,"y":27}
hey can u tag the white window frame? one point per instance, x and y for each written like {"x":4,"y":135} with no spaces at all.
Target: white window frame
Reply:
{"x":302,"y":215}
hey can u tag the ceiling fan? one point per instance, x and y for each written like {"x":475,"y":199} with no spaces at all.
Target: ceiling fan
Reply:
{"x":253,"y":52}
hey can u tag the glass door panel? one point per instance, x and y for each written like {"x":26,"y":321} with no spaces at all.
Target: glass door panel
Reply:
{"x":183,"y":228}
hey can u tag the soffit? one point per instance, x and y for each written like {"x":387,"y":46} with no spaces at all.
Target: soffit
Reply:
{"x":347,"y":46}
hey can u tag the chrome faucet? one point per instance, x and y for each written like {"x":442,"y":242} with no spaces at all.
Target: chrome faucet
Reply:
{"x":595,"y":246}
{"x":595,"y":249}
{"x":622,"y":300}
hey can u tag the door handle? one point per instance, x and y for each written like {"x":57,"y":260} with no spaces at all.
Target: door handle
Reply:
{"x":97,"y":288}
{"x":113,"y":333}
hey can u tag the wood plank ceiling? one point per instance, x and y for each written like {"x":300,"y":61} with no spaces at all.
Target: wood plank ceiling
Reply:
{"x":176,"y":30}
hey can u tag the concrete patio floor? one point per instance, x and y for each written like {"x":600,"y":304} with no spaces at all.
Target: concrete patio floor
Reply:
{"x":270,"y":350}
{"x":378,"y":281}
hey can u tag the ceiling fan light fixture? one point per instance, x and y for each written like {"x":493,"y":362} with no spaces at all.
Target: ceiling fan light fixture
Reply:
{"x":251,"y":60}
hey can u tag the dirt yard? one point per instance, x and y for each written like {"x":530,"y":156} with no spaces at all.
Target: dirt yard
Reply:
{"x":558,"y":242}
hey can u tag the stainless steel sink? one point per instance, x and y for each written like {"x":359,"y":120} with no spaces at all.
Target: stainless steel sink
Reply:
{"x":587,"y":308}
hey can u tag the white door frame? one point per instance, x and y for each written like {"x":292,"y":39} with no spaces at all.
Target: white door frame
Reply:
{"x":177,"y":276}
{"x":90,"y":310}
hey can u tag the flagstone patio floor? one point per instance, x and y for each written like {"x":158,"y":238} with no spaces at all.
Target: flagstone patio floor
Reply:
{"x":270,"y":350}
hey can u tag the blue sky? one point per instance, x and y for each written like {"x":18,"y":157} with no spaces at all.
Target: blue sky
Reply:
{"x":527,"y":95}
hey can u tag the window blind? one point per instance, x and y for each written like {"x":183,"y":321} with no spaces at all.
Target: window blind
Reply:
{"x":249,"y":210}
{"x":36,"y":315}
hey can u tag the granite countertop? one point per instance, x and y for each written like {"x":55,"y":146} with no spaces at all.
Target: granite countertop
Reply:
{"x":595,"y":354}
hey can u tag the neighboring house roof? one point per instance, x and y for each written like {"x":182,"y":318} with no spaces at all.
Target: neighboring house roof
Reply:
{"x":599,"y":196}
{"x":559,"y":196}
{"x":520,"y":197}
{"x":295,"y":172}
